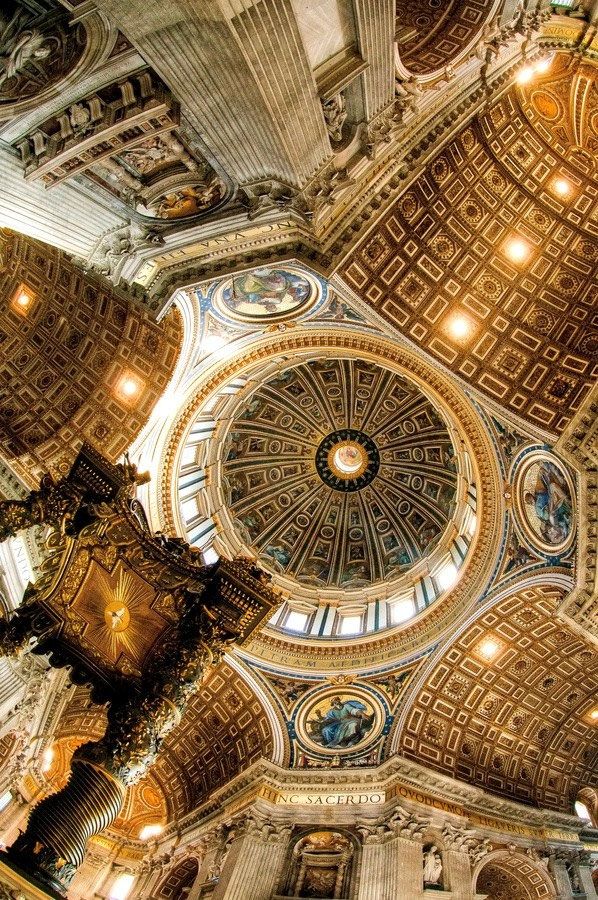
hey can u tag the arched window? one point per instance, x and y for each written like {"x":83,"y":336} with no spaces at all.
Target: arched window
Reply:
{"x":582,"y":811}
{"x":586,"y":806}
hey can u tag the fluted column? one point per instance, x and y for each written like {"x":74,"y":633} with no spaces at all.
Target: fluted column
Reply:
{"x":60,"y":826}
{"x":407,"y":867}
{"x":253,"y":865}
{"x":563,"y":884}
{"x":377,"y":881}
{"x":457,"y":874}
{"x":375,"y":26}
{"x":586,"y":881}
{"x":63,"y":217}
{"x":242,"y":75}
{"x":390,"y":868}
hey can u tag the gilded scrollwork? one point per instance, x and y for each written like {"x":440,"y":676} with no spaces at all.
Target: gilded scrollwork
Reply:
{"x":106,"y":564}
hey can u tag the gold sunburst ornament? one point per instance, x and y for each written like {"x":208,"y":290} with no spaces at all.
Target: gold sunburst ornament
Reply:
{"x":116,"y":608}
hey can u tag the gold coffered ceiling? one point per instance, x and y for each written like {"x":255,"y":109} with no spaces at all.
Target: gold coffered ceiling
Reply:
{"x":530,"y":334}
{"x":563,"y":107}
{"x":508,"y":705}
{"x":432,"y":34}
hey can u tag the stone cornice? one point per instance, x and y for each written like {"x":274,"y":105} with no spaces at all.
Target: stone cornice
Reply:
{"x":402,"y":781}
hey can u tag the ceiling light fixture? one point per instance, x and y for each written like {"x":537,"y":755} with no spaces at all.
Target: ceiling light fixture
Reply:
{"x":22,"y":299}
{"x":594,"y":714}
{"x":525,"y":75}
{"x":517,"y":250}
{"x":489,"y":648}
{"x":561,"y":187}
{"x":129,"y":387}
{"x":459,"y":327}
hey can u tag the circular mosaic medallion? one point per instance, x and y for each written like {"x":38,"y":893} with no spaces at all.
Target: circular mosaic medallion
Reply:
{"x":340,"y":721}
{"x":545,"y":495}
{"x":266,"y":293}
{"x":347,"y":460}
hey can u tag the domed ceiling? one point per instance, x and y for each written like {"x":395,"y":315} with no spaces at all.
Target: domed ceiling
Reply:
{"x":563,"y":107}
{"x":339,"y":473}
{"x":432,"y":33}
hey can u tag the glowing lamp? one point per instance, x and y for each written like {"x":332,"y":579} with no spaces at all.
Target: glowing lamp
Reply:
{"x":129,"y":387}
{"x":22,"y":299}
{"x":517,"y":250}
{"x":561,"y":187}
{"x":525,"y":75}
{"x":459,"y":327}
{"x":489,"y":648}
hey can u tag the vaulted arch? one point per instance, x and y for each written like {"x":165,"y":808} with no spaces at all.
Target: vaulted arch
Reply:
{"x":516,"y":722}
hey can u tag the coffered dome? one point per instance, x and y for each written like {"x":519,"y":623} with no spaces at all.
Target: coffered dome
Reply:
{"x":339,"y":473}
{"x":562,"y":105}
{"x":348,"y":470}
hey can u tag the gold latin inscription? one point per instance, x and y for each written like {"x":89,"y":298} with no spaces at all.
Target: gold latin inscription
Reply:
{"x":298,"y":799}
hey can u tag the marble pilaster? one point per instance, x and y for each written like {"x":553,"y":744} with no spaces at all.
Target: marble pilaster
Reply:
{"x":252,"y":869}
{"x":377,"y":861}
{"x":375,"y":25}
{"x":457,"y":874}
{"x":62,"y":217}
{"x":242,"y":75}
{"x":586,"y":882}
{"x":391,"y":869}
{"x":563,"y":883}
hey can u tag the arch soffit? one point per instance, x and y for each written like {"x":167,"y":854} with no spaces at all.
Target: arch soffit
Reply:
{"x":527,"y":868}
{"x":535,"y":760}
{"x":558,"y":580}
{"x":469,"y":17}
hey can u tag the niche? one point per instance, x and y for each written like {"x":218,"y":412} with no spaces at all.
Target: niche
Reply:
{"x":433,"y":868}
{"x":321,"y":866}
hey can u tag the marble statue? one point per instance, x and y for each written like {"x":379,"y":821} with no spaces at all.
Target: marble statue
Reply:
{"x":335,"y":115}
{"x":432,"y":866}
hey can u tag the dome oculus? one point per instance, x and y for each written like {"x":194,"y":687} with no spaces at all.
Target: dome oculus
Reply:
{"x":347,"y":460}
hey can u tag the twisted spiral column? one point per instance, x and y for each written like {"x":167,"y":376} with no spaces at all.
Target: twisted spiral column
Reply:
{"x":60,"y":826}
